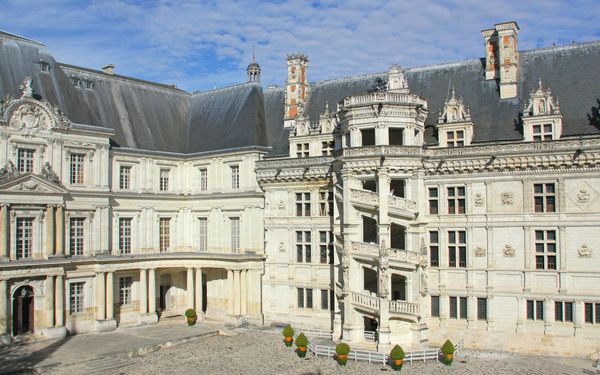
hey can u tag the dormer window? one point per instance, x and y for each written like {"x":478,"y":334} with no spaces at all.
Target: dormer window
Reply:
{"x":455,"y":127}
{"x":542,"y":119}
{"x":44,"y":67}
{"x":89,"y":85}
{"x":455,"y":138}
{"x":76,"y":81}
{"x":542,"y":132}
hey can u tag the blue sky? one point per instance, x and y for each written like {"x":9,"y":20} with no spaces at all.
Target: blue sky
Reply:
{"x":194,"y":44}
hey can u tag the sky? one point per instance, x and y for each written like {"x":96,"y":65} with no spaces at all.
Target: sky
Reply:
{"x":195,"y":44}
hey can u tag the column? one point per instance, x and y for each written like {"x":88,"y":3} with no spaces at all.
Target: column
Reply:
{"x":471,"y":311}
{"x":4,"y":233}
{"x":49,"y":301}
{"x":152,"y":291}
{"x":244,"y":292}
{"x":59,"y":301}
{"x":199,"y":296}
{"x":110,"y":299}
{"x":236,"y":292}
{"x":190,"y":287}
{"x":101,"y":296}
{"x":578,"y":318}
{"x":60,"y":230}
{"x":548,"y":315}
{"x":3,"y":307}
{"x":230,"y":292}
{"x":143,"y":291}
{"x":50,"y":230}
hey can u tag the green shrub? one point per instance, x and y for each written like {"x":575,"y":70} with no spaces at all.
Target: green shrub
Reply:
{"x":190,"y":313}
{"x":288,"y":331}
{"x":342,"y":349}
{"x":397,"y":353}
{"x":301,"y":340}
{"x":448,"y":348}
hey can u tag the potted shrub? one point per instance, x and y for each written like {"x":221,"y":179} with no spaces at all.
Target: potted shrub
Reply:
{"x":448,"y":350}
{"x":190,"y":314}
{"x":397,"y":355}
{"x":288,"y":333}
{"x":342,"y":349}
{"x":301,"y":342}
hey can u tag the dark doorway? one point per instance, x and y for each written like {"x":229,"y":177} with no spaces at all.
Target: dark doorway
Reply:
{"x":165,"y":296}
{"x":398,"y":188}
{"x":368,"y":137}
{"x":204,"y":293}
{"x":370,"y":185}
{"x":23,"y":310}
{"x":369,"y":230}
{"x":396,"y":136}
{"x":398,"y":287}
{"x":370,"y":281}
{"x":398,"y":237}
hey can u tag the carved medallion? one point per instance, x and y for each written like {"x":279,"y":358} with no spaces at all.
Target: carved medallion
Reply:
{"x":507,"y":199}
{"x":480,"y":251}
{"x":478,"y":199}
{"x":508,"y":251}
{"x":584,"y":251}
{"x":583,"y":196}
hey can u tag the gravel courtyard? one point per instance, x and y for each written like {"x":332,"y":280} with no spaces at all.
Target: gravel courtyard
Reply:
{"x":259,"y":353}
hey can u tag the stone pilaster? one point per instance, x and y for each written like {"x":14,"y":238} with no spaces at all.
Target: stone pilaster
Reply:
{"x":4,"y":310}
{"x":143,"y":291}
{"x":4,"y":233}
{"x":60,"y":249}
{"x":199,"y":296}
{"x":110,"y":298}
{"x":229,"y":292}
{"x":152,"y":291}
{"x":59,"y":301}
{"x":190,"y":288}
{"x":244,"y":292}
{"x":236,"y":292}
{"x":101,"y":296}
{"x":50,"y":230}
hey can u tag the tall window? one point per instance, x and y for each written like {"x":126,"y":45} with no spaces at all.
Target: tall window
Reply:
{"x":592,"y":313}
{"x":125,"y":290}
{"x":300,"y":297}
{"x":25,"y":160}
{"x":325,"y":203}
{"x":303,"y":249}
{"x":235,"y":234}
{"x":203,"y":179}
{"x":435,"y":306}
{"x":482,"y":308}
{"x":24,"y":238}
{"x":303,"y":150}
{"x":542,"y":132}
{"x":325,"y":304}
{"x":302,"y":204}
{"x":164,"y":180}
{"x":433,"y":201}
{"x":563,"y":311}
{"x":455,"y":138}
{"x":535,"y":310}
{"x":203,"y":234}
{"x":463,"y":307}
{"x":325,"y":247}
{"x":327,"y":148}
{"x":457,"y":248}
{"x":434,"y":249}
{"x":456,"y":200}
{"x":125,"y":236}
{"x":125,"y":177}
{"x":165,"y":233}
{"x":545,"y":249}
{"x":77,"y":305}
{"x":453,"y":308}
{"x":77,"y":162}
{"x":305,"y":298}
{"x":545,"y":197}
{"x":76,"y":244}
{"x":235,"y":177}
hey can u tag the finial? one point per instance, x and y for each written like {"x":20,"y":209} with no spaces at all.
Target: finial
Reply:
{"x":253,"y":58}
{"x":540,"y":82}
{"x":453,"y":92}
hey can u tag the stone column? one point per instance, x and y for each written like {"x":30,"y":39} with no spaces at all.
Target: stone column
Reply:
{"x":50,"y":302}
{"x":236,"y":292}
{"x":199,"y":296}
{"x":143,"y":291}
{"x":152,"y":291}
{"x":110,"y":298}
{"x":50,"y":228}
{"x":383,"y":330}
{"x":190,"y":288}
{"x":59,"y":301}
{"x":101,"y":296}
{"x":4,"y":233}
{"x":3,"y":308}
{"x":578,"y":318}
{"x":230,"y":292}
{"x":244,"y":292}
{"x":60,"y":231}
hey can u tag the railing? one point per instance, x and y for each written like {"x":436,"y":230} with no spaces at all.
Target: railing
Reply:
{"x":365,"y":248}
{"x":404,"y":307}
{"x":402,"y":203}
{"x":377,"y":97}
{"x":317,"y":333}
{"x":364,"y":196}
{"x":371,"y":335}
{"x":365,"y":300}
{"x":367,"y":356}
{"x":422,"y":355}
{"x":403,"y":255}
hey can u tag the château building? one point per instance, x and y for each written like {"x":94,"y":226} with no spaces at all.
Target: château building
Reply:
{"x":457,"y":200}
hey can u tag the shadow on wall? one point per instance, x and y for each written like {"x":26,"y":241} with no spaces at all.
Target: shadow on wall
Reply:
{"x":594,"y":117}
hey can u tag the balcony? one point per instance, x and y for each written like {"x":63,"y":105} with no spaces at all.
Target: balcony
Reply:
{"x":397,"y":206}
{"x":364,"y":198}
{"x":365,"y":302}
{"x":371,"y":252}
{"x":397,"y":309}
{"x":364,"y":249}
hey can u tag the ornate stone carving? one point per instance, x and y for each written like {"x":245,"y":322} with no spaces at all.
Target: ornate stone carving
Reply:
{"x":583,"y":196}
{"x":508,"y":251}
{"x":479,"y":201}
{"x":282,"y":248}
{"x":30,"y":185}
{"x":26,"y":88}
{"x":507,"y":199}
{"x":454,"y":110}
{"x":48,"y":174}
{"x":9,"y":172}
{"x":584,"y":251}
{"x":4,"y":103}
{"x":30,"y":118}
{"x":480,"y":251}
{"x":541,"y":103}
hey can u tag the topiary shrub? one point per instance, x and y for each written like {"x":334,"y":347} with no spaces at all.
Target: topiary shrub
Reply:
{"x":342,"y":349}
{"x":288,"y":331}
{"x":448,"y":348}
{"x":301,"y":340}
{"x":190,"y":313}
{"x":397,"y":353}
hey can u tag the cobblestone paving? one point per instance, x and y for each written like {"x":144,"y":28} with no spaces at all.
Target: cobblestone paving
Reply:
{"x":261,"y":353}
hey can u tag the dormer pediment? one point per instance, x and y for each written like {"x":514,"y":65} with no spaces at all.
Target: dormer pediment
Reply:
{"x":542,"y":119}
{"x":454,"y":124}
{"x":454,"y":110}
{"x":31,"y":183}
{"x":541,"y":103}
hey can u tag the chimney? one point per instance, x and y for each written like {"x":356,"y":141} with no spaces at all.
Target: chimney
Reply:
{"x":296,"y":87}
{"x":502,"y":57}
{"x":109,"y":69}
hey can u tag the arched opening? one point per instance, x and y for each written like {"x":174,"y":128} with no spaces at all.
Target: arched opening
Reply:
{"x":370,"y":328}
{"x":369,"y":230}
{"x":398,"y":238}
{"x":370,"y":281}
{"x":370,"y":185}
{"x":165,"y":294}
{"x":398,"y":287}
{"x":23,"y":309}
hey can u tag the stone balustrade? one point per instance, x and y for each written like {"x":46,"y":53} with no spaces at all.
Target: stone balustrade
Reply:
{"x":403,"y":256}
{"x":402,"y":307}
{"x":402,"y":203}
{"x":383,"y":97}
{"x":364,"y":248}
{"x":365,"y":300}
{"x":364,"y":196}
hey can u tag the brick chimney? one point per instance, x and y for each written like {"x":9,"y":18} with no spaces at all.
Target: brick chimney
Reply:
{"x":502,"y":57}
{"x":296,"y":87}
{"x":109,"y":69}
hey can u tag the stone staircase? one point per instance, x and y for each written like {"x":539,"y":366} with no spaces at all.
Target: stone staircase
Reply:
{"x":171,"y":317}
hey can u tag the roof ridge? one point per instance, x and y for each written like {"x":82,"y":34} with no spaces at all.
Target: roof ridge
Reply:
{"x":564,"y":47}
{"x":21,"y":38}
{"x":195,"y":93}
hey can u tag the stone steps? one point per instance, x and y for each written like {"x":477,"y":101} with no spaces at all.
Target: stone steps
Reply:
{"x":95,"y":366}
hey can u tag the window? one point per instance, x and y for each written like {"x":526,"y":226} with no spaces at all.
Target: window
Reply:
{"x":457,"y":248}
{"x":326,"y":247}
{"x":453,"y":308}
{"x":24,"y":238}
{"x":89,"y":85}
{"x":125,"y":290}
{"x":165,"y":236}
{"x":303,"y":250}
{"x":77,"y":162}
{"x":235,"y":177}
{"x":164,"y":180}
{"x":325,"y":203}
{"x":327,"y":148}
{"x":125,"y":236}
{"x":235,"y":234}
{"x":125,"y":177}
{"x":433,"y":201}
{"x":302,"y":204}
{"x":463,"y":307}
{"x":300,"y":298}
{"x":305,"y":298}
{"x":435,"y":306}
{"x":203,"y":179}
{"x":76,"y":81}
{"x":25,"y":160}
{"x":544,"y":196}
{"x":203,"y":234}
{"x":545,"y":249}
{"x":309,"y":299}
{"x":44,"y":67}
{"x":76,"y":229}
{"x":482,"y":308}
{"x":77,"y":305}
{"x":542,"y":132}
{"x":325,"y":303}
{"x":434,"y":252}
{"x":563,"y":311}
{"x":455,"y":138}
{"x":592,"y":313}
{"x":456,"y":200}
{"x":535,"y":310}
{"x":302,"y":150}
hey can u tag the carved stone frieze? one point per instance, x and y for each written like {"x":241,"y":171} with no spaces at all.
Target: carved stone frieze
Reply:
{"x":584,"y":251}
{"x":402,"y":203}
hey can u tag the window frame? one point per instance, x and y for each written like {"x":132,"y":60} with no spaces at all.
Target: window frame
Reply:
{"x":304,"y":246}
{"x":203,"y":179}
{"x":164,"y":179}
{"x":125,"y":235}
{"x":164,"y":236}
{"x":77,"y":236}
{"x":434,"y":248}
{"x":24,"y":237}
{"x":457,"y":248}
{"x":435,"y":306}
{"x":482,"y":308}
{"x":303,"y":206}
{"x":77,"y":166}
{"x":235,"y":176}
{"x":544,"y":201}
{"x":125,"y":177}
{"x":434,"y":201}
{"x":25,"y":160}
{"x":546,"y":249}
{"x":203,"y":234}
{"x":535,"y":310}
{"x":125,"y":290}
{"x":457,"y":200}
{"x":77,"y":297}
{"x":235,"y":226}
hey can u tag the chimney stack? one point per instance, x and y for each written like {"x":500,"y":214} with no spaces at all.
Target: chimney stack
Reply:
{"x":109,"y":69}
{"x":502,"y":57}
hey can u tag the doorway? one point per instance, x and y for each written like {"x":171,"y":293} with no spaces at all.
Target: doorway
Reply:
{"x":165,"y":294}
{"x":398,"y":287}
{"x":23,"y":309}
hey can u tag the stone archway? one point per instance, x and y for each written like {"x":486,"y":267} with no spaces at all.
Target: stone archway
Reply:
{"x":23,"y":310}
